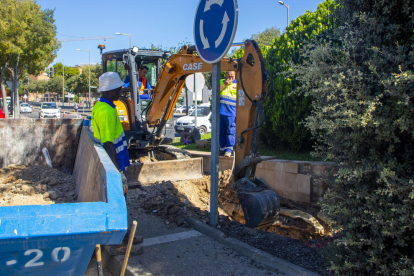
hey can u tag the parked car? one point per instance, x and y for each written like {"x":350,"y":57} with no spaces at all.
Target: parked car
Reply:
{"x":49,"y":110}
{"x":187,"y":123}
{"x":191,"y":108}
{"x":25,"y":108}
{"x":181,"y":109}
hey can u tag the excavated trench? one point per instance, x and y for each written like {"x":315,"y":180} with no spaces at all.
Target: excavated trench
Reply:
{"x":296,"y":236}
{"x":174,"y":200}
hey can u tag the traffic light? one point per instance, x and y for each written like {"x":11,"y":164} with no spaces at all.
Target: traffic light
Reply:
{"x":51,"y":73}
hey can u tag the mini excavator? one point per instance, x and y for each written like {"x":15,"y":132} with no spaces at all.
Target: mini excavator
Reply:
{"x":146,"y":118}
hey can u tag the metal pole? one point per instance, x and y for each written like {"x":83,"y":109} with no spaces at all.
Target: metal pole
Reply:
{"x":130,"y":41}
{"x":16,"y":91}
{"x":195,"y":96}
{"x":89,"y":78}
{"x":186,"y":101}
{"x":287,"y":6}
{"x":215,"y":127}
{"x":63,"y":85}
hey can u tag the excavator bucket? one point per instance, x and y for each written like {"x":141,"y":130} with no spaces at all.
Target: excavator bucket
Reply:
{"x":260,"y":205}
{"x":170,"y":170}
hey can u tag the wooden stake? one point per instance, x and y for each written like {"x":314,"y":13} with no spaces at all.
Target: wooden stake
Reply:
{"x":99,"y":259}
{"x":131,"y":238}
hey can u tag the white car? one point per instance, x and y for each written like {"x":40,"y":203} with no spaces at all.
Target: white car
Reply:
{"x":191,"y":108}
{"x":49,"y":110}
{"x":25,"y":107}
{"x":187,"y":123}
{"x":181,"y":109}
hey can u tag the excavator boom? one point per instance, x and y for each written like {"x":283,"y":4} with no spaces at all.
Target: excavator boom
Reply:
{"x":260,"y":205}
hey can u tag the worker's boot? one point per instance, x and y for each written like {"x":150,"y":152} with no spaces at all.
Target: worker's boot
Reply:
{"x":227,"y":154}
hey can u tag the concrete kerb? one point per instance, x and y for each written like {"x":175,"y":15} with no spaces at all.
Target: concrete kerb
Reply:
{"x":114,"y":265}
{"x":248,"y":250}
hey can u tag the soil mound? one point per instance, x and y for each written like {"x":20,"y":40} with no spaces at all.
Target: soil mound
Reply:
{"x":35,"y":185}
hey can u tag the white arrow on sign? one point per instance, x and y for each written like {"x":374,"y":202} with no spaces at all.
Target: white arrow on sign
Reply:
{"x":223,"y":30}
{"x":211,"y":2}
{"x":203,"y":38}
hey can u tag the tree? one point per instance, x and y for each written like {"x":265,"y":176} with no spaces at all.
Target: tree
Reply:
{"x":266,"y":37}
{"x":362,"y":83}
{"x":69,"y":71}
{"x":28,"y":39}
{"x":38,"y":86}
{"x":55,"y":85}
{"x":263,"y":39}
{"x":82,"y":81}
{"x":284,"y":108}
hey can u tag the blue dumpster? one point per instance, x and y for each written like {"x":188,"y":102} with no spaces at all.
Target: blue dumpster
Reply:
{"x":59,"y":239}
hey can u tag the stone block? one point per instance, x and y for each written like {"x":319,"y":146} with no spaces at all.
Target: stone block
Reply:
{"x":318,"y":169}
{"x":290,"y":167}
{"x":279,"y":183}
{"x":304,"y":188}
{"x":261,"y":165}
{"x":279,"y":166}
{"x":305,"y":168}
{"x":260,"y":173}
{"x":270,"y":165}
{"x":291,"y":186}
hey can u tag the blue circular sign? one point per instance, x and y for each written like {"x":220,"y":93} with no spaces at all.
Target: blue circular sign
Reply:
{"x":215,"y":25}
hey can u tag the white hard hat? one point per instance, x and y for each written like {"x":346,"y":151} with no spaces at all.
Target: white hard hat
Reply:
{"x":109,"y":81}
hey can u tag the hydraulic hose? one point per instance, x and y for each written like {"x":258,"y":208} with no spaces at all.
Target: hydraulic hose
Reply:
{"x":254,"y":102}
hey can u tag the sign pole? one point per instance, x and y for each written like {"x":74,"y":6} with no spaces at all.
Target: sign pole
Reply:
{"x":212,"y":46}
{"x":195,"y":96}
{"x":215,"y":146}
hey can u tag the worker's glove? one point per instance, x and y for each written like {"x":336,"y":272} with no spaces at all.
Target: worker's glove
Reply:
{"x":124,"y":182}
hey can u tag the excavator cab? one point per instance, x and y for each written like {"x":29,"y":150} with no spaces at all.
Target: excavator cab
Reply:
{"x":132,"y":116}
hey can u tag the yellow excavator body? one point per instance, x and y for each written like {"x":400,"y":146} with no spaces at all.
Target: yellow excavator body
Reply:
{"x":145,"y":128}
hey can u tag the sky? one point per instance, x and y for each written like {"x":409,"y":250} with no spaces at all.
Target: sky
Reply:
{"x":160,"y":22}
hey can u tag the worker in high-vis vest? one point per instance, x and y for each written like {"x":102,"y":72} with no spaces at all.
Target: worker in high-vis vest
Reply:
{"x":142,"y":80}
{"x":228,"y":93}
{"x":108,"y":131}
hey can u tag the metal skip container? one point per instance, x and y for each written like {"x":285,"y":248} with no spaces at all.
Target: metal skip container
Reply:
{"x":59,"y":239}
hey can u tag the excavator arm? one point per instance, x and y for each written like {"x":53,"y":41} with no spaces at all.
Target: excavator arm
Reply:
{"x":260,"y":205}
{"x":170,"y":82}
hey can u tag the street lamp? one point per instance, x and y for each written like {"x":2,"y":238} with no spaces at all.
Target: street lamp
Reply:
{"x":287,"y":6}
{"x":63,"y":83}
{"x":89,"y":72}
{"x":126,"y":35}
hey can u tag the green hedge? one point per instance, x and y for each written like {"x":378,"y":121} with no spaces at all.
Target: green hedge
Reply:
{"x":285,"y":109}
{"x":363,"y":88}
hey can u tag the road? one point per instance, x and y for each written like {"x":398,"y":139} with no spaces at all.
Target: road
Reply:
{"x":65,"y":109}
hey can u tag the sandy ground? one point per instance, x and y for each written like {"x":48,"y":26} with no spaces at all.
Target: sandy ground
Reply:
{"x":35,"y":185}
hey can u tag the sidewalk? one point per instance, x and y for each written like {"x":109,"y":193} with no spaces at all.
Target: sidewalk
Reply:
{"x":200,"y":250}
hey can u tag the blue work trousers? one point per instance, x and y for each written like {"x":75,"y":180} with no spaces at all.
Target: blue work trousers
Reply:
{"x":227,"y":133}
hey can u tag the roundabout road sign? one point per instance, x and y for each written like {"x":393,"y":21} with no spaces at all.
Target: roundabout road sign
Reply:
{"x":215,"y":25}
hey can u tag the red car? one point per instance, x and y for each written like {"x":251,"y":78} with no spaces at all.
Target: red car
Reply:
{"x":2,"y":116}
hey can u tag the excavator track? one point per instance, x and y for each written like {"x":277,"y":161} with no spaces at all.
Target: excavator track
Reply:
{"x":168,"y":152}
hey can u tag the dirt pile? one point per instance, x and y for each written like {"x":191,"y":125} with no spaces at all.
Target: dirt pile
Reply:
{"x":34,"y":185}
{"x":173,"y":201}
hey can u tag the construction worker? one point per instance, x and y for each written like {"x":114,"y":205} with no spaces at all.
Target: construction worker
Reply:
{"x":228,"y":92}
{"x":142,"y":81}
{"x":108,"y":131}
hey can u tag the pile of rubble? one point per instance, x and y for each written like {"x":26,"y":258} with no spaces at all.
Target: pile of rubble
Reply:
{"x":34,"y":185}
